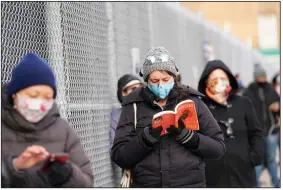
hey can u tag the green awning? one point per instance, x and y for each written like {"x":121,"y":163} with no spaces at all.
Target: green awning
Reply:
{"x":270,"y":52}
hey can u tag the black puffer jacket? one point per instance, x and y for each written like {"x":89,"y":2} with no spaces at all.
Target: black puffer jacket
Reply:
{"x":168,"y":164}
{"x":236,"y":168}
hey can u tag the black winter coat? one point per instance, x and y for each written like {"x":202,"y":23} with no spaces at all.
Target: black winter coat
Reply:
{"x":168,"y":164}
{"x":261,"y":107}
{"x":245,"y":150}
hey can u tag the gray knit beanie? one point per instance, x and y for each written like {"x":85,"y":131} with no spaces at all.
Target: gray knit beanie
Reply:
{"x":158,"y":59}
{"x":259,"y":71}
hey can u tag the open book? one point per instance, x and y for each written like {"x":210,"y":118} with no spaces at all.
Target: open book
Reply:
{"x":185,"y":110}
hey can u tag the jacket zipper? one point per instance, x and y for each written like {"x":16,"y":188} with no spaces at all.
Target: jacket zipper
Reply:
{"x":161,"y":143}
{"x":154,"y":102}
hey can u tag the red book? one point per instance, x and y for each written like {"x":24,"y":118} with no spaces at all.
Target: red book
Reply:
{"x":185,"y":110}
{"x":60,"y":157}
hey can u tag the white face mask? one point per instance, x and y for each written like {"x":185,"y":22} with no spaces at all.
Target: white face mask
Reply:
{"x":33,"y":109}
{"x":218,"y":86}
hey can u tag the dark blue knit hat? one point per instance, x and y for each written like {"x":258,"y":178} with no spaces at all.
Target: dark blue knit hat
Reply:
{"x":32,"y":70}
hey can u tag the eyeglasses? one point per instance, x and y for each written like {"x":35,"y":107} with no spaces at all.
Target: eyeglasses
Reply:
{"x":229,"y":130}
{"x":152,"y":59}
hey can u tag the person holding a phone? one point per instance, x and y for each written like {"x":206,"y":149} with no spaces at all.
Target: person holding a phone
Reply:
{"x":176,"y":158}
{"x":242,"y":131}
{"x":35,"y":136}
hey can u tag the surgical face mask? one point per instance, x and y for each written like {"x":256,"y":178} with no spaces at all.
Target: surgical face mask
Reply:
{"x":33,"y":109}
{"x":161,"y":90}
{"x":278,"y":80}
{"x":218,"y":86}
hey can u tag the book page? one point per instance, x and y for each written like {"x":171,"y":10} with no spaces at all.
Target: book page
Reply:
{"x":186,"y":111}
{"x":164,"y":119}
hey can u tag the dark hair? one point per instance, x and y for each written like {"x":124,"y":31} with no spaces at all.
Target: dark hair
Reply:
{"x":274,"y":78}
{"x":178,"y":78}
{"x":181,"y":91}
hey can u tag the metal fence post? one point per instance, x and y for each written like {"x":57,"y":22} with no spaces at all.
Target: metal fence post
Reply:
{"x":55,"y":51}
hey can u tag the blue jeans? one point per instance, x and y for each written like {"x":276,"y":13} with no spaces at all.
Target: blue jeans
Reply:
{"x":270,"y":145}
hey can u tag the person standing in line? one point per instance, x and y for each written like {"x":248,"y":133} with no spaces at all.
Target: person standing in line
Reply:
{"x":241,"y":87}
{"x":176,"y":158}
{"x":126,"y":84}
{"x":266,"y":102}
{"x":238,"y":121}
{"x":32,"y":130}
{"x":276,"y":85}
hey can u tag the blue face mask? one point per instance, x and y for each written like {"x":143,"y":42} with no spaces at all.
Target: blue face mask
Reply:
{"x":161,"y":90}
{"x":278,"y":80}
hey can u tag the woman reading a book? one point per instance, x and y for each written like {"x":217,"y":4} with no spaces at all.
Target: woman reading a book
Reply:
{"x":242,"y":131}
{"x":171,"y":154}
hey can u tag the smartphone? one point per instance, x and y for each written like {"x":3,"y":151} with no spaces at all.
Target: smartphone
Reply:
{"x":60,"y":157}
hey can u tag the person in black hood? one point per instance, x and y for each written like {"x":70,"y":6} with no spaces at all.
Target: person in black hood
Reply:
{"x":238,"y":121}
{"x":266,"y":102}
{"x":126,"y":84}
{"x":175,"y":159}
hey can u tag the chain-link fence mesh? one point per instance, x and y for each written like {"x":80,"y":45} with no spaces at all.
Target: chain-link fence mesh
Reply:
{"x":23,"y":29}
{"x":72,"y":36}
{"x":89,"y":45}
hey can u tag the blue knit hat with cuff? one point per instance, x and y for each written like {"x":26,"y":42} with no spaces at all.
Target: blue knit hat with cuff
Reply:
{"x":31,"y":70}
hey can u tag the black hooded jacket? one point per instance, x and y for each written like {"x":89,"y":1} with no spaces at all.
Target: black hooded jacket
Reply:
{"x":122,"y":82}
{"x":167,"y":164}
{"x":265,"y":116}
{"x":245,"y":150}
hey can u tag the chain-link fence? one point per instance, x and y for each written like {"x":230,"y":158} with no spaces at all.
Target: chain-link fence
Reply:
{"x":90,"y":45}
{"x":72,"y":36}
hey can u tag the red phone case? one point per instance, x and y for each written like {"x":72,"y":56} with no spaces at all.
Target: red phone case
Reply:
{"x":60,"y":157}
